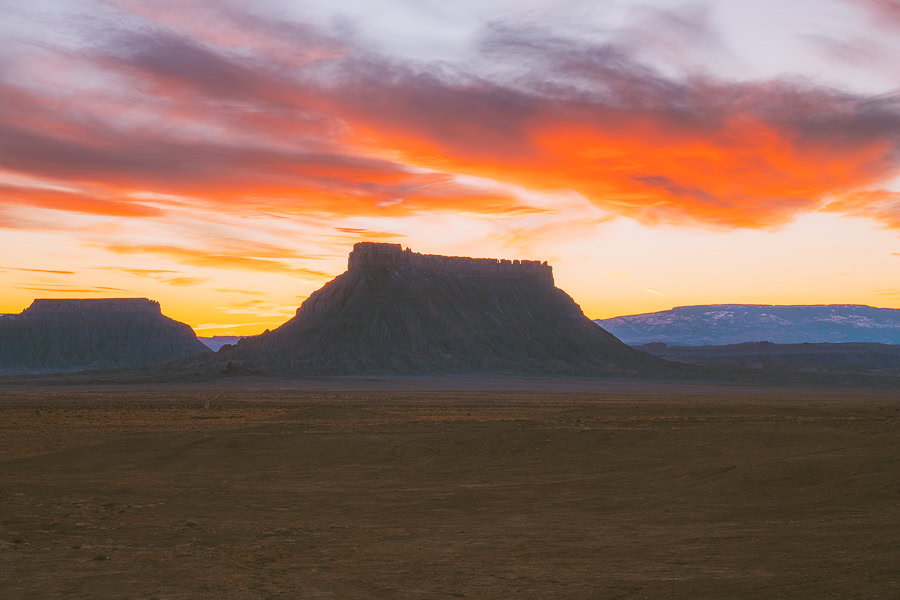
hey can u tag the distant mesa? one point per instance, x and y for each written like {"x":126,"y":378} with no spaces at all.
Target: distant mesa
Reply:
{"x":398,"y":312}
{"x":54,"y":335}
{"x":47,"y":306}
{"x":216,"y":342}
{"x":721,"y":324}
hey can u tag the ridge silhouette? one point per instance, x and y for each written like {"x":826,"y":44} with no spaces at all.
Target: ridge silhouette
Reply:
{"x":399,"y":312}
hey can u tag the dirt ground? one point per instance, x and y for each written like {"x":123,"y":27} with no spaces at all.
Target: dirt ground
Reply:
{"x":627,"y":492}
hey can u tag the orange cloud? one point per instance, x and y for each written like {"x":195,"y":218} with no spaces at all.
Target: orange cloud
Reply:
{"x":233,"y":291}
{"x":368,"y":234}
{"x":69,"y":289}
{"x":185,"y":281}
{"x":201,"y":258}
{"x":346,"y":132}
{"x":143,"y":272}
{"x":51,"y":271}
{"x":75,"y":202}
{"x":216,"y":175}
{"x":736,"y":155}
{"x":881,"y":205}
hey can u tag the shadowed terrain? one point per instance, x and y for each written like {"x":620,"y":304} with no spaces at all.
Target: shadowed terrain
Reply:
{"x":396,"y":312}
{"x":622,"y":492}
{"x":55,"y":335}
{"x":766,"y":354}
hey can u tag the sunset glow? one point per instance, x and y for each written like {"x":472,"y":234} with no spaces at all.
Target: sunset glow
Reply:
{"x":222,"y":157}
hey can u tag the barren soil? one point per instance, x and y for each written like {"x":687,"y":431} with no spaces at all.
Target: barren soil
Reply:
{"x":629,"y":492}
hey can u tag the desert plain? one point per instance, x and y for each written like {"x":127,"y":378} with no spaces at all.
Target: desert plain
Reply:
{"x":419,"y":489}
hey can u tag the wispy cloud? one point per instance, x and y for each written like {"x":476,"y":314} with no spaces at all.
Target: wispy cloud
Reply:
{"x":368,"y":234}
{"x":233,"y":291}
{"x":143,"y":272}
{"x":75,"y":202}
{"x":259,"y":309}
{"x":226,"y":326}
{"x":884,"y":13}
{"x":881,"y":205}
{"x":201,"y":258}
{"x":68,"y":289}
{"x":51,"y":271}
{"x":185,"y":281}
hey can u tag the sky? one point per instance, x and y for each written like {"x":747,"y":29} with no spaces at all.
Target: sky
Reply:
{"x":223,"y":156}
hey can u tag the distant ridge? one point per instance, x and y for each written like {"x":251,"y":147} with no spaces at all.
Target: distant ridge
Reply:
{"x":216,"y":342}
{"x":758,"y":355}
{"x":720,"y":324}
{"x":56,"y":335}
{"x":395,"y":311}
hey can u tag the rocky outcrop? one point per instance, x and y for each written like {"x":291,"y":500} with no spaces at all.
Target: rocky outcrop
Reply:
{"x":398,"y":312}
{"x":369,"y":256}
{"x":62,"y":306}
{"x":70,"y":335}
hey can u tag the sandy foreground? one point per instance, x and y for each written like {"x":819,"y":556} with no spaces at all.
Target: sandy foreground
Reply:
{"x":520,"y":491}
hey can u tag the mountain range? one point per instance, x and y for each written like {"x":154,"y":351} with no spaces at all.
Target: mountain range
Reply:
{"x":721,"y":324}
{"x":397,"y":312}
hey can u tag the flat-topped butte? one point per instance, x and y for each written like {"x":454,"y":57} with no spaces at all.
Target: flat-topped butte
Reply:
{"x":373,"y":255}
{"x":96,"y":305}
{"x":59,"y":335}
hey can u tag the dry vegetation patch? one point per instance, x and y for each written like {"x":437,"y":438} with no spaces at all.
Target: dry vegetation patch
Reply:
{"x":716,"y":493}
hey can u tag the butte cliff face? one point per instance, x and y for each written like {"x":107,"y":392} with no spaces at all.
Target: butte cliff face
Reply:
{"x":72,"y":335}
{"x":398,"y":312}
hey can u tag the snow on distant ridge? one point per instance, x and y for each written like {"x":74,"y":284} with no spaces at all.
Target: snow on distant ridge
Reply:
{"x":719,"y":324}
